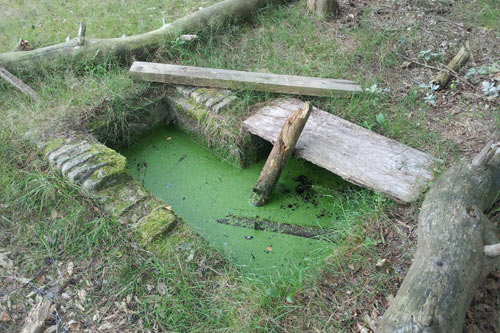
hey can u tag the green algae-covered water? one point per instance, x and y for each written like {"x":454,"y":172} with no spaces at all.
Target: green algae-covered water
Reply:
{"x":206,"y":191}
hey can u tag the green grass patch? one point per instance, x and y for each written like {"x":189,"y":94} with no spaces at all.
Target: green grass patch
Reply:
{"x":482,"y":13}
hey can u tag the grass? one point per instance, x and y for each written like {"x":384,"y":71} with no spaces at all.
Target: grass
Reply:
{"x":47,"y":222}
{"x":484,"y":14}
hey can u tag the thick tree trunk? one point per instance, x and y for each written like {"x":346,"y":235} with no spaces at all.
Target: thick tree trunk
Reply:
{"x":323,"y":8}
{"x":135,"y":45}
{"x":458,"y":61}
{"x":451,"y":261}
{"x":281,"y":152}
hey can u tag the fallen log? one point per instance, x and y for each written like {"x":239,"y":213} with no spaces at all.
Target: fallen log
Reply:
{"x":138,"y":44}
{"x":281,"y":152}
{"x":229,"y":79}
{"x":454,"y":65}
{"x":455,"y":250}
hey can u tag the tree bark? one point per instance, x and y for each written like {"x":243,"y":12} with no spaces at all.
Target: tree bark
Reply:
{"x":450,"y":262}
{"x":135,"y":45}
{"x":323,"y":8}
{"x":458,"y":61}
{"x":281,"y":152}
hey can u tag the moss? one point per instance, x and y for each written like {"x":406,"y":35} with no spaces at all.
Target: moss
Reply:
{"x":192,"y":109}
{"x":114,"y":169}
{"x":53,"y":145}
{"x":182,"y":235}
{"x":159,"y":221}
{"x":122,"y":197}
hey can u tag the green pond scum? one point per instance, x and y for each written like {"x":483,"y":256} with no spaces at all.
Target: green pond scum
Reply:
{"x":310,"y":212}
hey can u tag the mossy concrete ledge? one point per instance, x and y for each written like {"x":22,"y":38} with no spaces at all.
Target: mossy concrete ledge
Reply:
{"x":202,"y":113}
{"x":103,"y":173}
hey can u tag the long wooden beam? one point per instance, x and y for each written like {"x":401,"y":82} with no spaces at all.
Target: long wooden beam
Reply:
{"x":222,"y":78}
{"x":18,"y":84}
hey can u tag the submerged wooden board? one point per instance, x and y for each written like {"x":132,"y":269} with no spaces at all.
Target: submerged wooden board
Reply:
{"x":350,"y":151}
{"x":221,"y":78}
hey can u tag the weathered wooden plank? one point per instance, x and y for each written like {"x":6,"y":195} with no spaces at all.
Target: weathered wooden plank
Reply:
{"x":222,"y":78}
{"x":350,"y":151}
{"x":18,"y":84}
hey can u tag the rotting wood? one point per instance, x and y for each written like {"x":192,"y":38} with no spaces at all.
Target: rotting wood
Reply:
{"x":449,"y":264}
{"x":356,"y":154}
{"x":136,"y":45}
{"x":18,"y":84}
{"x":22,"y":45}
{"x":323,"y":8}
{"x":221,"y":78}
{"x":458,"y":61}
{"x":281,"y":152}
{"x":36,"y":321}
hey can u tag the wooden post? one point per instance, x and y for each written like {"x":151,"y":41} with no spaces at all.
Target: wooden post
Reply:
{"x":81,"y":34}
{"x":323,"y":8}
{"x":281,"y":152}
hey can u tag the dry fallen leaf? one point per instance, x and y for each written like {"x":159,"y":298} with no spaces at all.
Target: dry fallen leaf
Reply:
{"x":75,"y":327}
{"x":5,"y":317}
{"x":362,"y":329}
{"x":70,"y":268}
{"x":162,"y":288}
{"x":381,"y":263}
{"x":191,"y":256}
{"x":54,"y":214}
{"x":82,"y":294}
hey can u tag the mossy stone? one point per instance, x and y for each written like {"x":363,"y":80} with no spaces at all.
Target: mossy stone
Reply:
{"x":159,"y":221}
{"x":53,"y":145}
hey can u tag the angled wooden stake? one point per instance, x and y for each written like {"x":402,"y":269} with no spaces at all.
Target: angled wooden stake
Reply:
{"x":18,"y":84}
{"x":81,"y":34}
{"x":281,"y":152}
